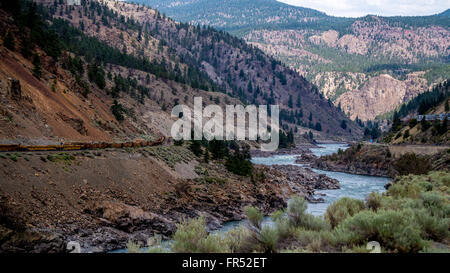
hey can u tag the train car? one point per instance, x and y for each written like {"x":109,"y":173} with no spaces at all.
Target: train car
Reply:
{"x":8,"y":147}
{"x":73,"y":147}
{"x":116,"y":145}
{"x":38,"y":147}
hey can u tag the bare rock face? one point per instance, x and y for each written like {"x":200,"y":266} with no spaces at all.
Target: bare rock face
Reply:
{"x":75,"y":123}
{"x":352,"y":45}
{"x":329,"y":38}
{"x":380,"y":95}
{"x":334,"y":82}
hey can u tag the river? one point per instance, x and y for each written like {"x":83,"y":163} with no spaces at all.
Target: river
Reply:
{"x":355,"y":186}
{"x":352,"y":185}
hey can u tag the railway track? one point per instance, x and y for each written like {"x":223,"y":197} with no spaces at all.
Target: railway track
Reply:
{"x":75,"y":146}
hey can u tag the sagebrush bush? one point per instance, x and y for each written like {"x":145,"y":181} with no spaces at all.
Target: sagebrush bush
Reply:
{"x":269,"y":239}
{"x":373,"y":201}
{"x":191,"y":237}
{"x":254,"y":216}
{"x":436,"y":203}
{"x":235,"y":238}
{"x":282,"y":224}
{"x":298,"y":217}
{"x":134,"y":247}
{"x":262,"y":239}
{"x":342,"y":209}
{"x":307,"y":237}
{"x":395,"y":230}
{"x":432,"y":227}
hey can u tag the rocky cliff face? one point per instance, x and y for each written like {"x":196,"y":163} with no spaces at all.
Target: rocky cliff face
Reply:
{"x":380,"y":94}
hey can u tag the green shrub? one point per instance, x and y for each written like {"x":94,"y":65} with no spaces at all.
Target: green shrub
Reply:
{"x":307,"y":237}
{"x":405,"y":189}
{"x":296,"y":210}
{"x":373,"y":201}
{"x":435,"y":203}
{"x":394,"y":230}
{"x":134,"y":247}
{"x":254,"y":216}
{"x":342,"y":209}
{"x":262,"y":239}
{"x":432,"y":227}
{"x":235,"y":238}
{"x":283,"y":225}
{"x":155,"y":245}
{"x":269,"y":239}
{"x":191,"y":237}
{"x":298,"y":217}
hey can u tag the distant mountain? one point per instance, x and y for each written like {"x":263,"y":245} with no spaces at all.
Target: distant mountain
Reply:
{"x":445,"y":13}
{"x":368,"y":66}
{"x":235,"y":14}
{"x":238,"y":15}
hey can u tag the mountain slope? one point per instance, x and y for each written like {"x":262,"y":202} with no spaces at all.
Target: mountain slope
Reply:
{"x":407,"y":126}
{"x":149,"y":63}
{"x":60,"y":84}
{"x":338,"y":55}
{"x":235,"y":14}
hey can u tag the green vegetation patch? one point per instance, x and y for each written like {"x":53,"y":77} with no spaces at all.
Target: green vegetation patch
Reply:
{"x":171,"y":155}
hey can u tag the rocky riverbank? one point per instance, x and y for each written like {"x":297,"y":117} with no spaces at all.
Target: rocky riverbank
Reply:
{"x":102,"y":199}
{"x":376,"y":160}
{"x":361,"y":160}
{"x":303,"y":181}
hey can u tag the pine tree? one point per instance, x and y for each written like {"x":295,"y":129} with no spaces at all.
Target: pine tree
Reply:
{"x":299,"y":101}
{"x":290,"y":102}
{"x":8,"y":41}
{"x":206,"y":157}
{"x":396,"y":122}
{"x":318,"y":126}
{"x":37,"y":70}
{"x":424,"y":125}
{"x":196,"y":147}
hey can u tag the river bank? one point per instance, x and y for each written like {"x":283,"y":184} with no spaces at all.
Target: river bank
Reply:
{"x":103,"y":199}
{"x":319,"y":188}
{"x":379,"y":160}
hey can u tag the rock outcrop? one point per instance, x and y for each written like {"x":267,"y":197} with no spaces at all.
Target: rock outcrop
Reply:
{"x":303,"y":181}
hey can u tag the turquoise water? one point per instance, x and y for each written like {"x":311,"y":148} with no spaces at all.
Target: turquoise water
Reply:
{"x":355,"y":186}
{"x":352,"y":185}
